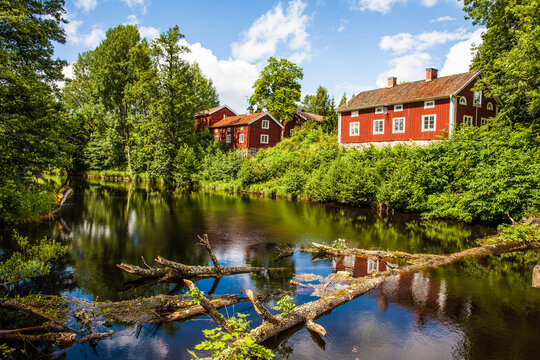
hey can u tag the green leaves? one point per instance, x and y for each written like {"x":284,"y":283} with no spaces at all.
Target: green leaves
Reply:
{"x":285,"y":305}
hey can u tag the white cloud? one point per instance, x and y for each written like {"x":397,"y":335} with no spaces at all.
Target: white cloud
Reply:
{"x":274,"y":28}
{"x":68,"y":71}
{"x":403,"y":42}
{"x":134,"y":3}
{"x":429,"y":3}
{"x":86,"y":5}
{"x":342,"y":25}
{"x":443,"y":18}
{"x":406,"y":68}
{"x":382,"y":6}
{"x":349,"y":88}
{"x":460,"y":56}
{"x":90,"y":40}
{"x":148,"y":32}
{"x":132,"y":19}
{"x":233,"y":78}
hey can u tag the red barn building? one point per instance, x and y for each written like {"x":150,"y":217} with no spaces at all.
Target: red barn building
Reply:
{"x":420,"y":111}
{"x":251,"y":132}
{"x":206,"y":118}
{"x":299,"y":118}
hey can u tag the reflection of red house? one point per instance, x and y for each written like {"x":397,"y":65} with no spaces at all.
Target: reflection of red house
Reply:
{"x":206,"y":118}
{"x":359,"y":266}
{"x":251,"y":131}
{"x":299,"y":118}
{"x":421,"y":111}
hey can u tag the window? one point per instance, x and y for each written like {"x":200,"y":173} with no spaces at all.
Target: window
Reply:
{"x":265,"y":124}
{"x":477,"y":99}
{"x":428,"y":122}
{"x":264,"y":139}
{"x":215,"y":131}
{"x":228,"y":139}
{"x":228,"y":130}
{"x":489,"y":106}
{"x":378,"y":126}
{"x":354,"y":113}
{"x":484,"y":121}
{"x":467,"y":120}
{"x":216,"y":138}
{"x":399,"y":125}
{"x":429,"y":104}
{"x":463,"y":100}
{"x":242,"y":128}
{"x":379,"y":110}
{"x":354,"y":129}
{"x":398,"y":107}
{"x":241,"y":138}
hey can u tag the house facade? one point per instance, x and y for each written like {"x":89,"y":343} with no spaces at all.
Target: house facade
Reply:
{"x":206,"y":118}
{"x":299,"y":118}
{"x":419,"y":112}
{"x":249,"y":132}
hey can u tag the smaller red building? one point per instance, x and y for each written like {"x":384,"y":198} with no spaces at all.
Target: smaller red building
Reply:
{"x":251,"y":131}
{"x":299,"y":118}
{"x":206,"y":118}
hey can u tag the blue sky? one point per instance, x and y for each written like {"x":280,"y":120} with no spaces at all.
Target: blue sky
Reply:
{"x":343,"y":45}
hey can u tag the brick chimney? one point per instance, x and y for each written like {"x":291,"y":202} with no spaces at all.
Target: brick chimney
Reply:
{"x":431,"y":74}
{"x":250,"y":110}
{"x":392,"y":81}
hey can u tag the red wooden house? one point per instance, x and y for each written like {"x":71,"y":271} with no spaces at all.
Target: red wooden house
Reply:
{"x":206,"y":118}
{"x":251,"y":131}
{"x":420,"y":111}
{"x":299,"y":118}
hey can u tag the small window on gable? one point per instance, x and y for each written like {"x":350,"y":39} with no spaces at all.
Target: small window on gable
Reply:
{"x":467,"y":120}
{"x":354,"y":129}
{"x":399,"y":125}
{"x":264,"y":139}
{"x":241,"y":138}
{"x":379,"y":110}
{"x":242,"y":128}
{"x":228,"y":139}
{"x":228,"y":130}
{"x":489,"y":106}
{"x":463,"y":100}
{"x":265,"y":124}
{"x":430,"y":104}
{"x":477,"y":98}
{"x":354,"y":113}
{"x":215,"y":131}
{"x":378,"y":127}
{"x":398,"y":107}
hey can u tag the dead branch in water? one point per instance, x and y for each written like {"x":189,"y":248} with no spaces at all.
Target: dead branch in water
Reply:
{"x":284,"y":251}
{"x":367,"y":253}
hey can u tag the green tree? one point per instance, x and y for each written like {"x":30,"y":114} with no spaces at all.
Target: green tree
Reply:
{"x":343,"y":100}
{"x":321,"y":103}
{"x":278,"y":88}
{"x":509,"y":55}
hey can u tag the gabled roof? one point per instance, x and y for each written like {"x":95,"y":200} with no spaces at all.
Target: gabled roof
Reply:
{"x":242,"y":120}
{"x":213,"y":110}
{"x":413,"y":91}
{"x":309,"y":116}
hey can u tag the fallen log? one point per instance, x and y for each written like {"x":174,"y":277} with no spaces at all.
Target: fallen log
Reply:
{"x":368,"y":253}
{"x":210,"y":308}
{"x":59,"y":338}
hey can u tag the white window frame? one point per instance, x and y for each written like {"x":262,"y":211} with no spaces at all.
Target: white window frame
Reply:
{"x":463,"y":100}
{"x":228,"y":138}
{"x":398,"y":107}
{"x":375,"y":130}
{"x":240,"y":138}
{"x":424,"y":129}
{"x":379,"y":110}
{"x":265,"y":124}
{"x":484,"y":121}
{"x":265,"y":137}
{"x":354,"y":129}
{"x":228,"y":130}
{"x":394,"y":131}
{"x":216,"y":138}
{"x":429,"y":104}
{"x":242,"y":128}
{"x":477,"y":97}
{"x":354,"y":113}
{"x":468,"y":119}
{"x":489,"y":106}
{"x":215,"y":130}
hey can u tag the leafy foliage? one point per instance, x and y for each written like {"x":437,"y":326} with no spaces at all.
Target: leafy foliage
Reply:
{"x":31,"y":260}
{"x":285,"y":305}
{"x":522,"y":232}
{"x":238,"y":345}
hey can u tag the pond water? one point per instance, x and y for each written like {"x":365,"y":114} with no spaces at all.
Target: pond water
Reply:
{"x":475,"y":309}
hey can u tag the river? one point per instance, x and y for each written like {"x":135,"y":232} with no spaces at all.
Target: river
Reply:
{"x":476,"y":309}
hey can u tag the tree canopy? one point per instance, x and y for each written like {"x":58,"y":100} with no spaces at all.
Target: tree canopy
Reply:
{"x":278,"y":88}
{"x":321,"y":103}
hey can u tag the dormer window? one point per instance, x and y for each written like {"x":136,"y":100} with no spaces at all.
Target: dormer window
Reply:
{"x":265,"y":124}
{"x":489,"y":106}
{"x":430,"y":104}
{"x":379,"y":110}
{"x":398,"y":107}
{"x":463,"y":100}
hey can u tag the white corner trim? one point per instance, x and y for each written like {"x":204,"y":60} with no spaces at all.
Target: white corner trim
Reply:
{"x":339,"y":128}
{"x":452,"y":114}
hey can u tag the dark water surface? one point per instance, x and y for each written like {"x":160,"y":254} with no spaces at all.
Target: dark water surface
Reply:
{"x":476,"y":309}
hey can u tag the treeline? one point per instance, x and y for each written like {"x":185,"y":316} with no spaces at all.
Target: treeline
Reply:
{"x":479,"y":175}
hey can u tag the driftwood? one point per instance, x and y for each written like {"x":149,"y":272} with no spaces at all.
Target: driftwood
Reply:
{"x":284,"y":251}
{"x":367,"y":253}
{"x":206,"y":243}
{"x":60,"y":338}
{"x":261,"y":310}
{"x":210,"y":309}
